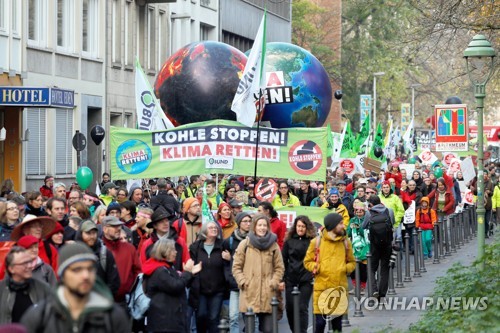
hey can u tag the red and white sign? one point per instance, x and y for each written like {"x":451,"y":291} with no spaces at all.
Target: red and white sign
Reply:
{"x":447,"y":157}
{"x":348,"y":165}
{"x":468,"y":197}
{"x":266,"y":189}
{"x":287,"y":216}
{"x":427,"y":157}
{"x":454,"y":166}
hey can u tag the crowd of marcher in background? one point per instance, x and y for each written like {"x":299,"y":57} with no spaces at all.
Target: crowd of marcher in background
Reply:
{"x":72,"y":257}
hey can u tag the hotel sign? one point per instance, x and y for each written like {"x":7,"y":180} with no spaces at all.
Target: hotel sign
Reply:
{"x":26,"y":96}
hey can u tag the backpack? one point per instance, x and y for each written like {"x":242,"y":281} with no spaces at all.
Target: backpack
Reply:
{"x":380,"y":228}
{"x":137,"y":300}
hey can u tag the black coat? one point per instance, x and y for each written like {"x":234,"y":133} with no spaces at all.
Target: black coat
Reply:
{"x":231,"y":246}
{"x":167,"y":290}
{"x":306,"y":198}
{"x":294,"y":251}
{"x":211,"y":280}
{"x":166,"y":201}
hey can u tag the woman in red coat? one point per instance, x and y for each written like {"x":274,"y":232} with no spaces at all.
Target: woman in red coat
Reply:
{"x":443,"y":199}
{"x":394,"y":173}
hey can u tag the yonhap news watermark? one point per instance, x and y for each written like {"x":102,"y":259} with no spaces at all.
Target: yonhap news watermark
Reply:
{"x":422,"y":303}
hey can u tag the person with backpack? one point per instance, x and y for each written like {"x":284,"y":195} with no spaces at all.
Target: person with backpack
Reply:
{"x":425,"y":218}
{"x":244,"y":221}
{"x":379,"y":220}
{"x":166,"y":288}
{"x":106,"y":268}
{"x":188,"y":226}
{"x":81,"y":302}
{"x":294,"y":250}
{"x":330,"y":259}
{"x":258,"y":270}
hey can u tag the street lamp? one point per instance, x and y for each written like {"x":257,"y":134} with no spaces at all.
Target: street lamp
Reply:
{"x":479,"y":58}
{"x":374,"y":120}
{"x":413,"y":86}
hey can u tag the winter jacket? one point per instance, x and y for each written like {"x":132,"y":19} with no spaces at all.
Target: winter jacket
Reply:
{"x":48,"y":253}
{"x":44,"y":272}
{"x":38,"y":291}
{"x":109,"y":274}
{"x":347,"y":200}
{"x":294,"y":251}
{"x":495,"y":200}
{"x":167,"y":290}
{"x":398,"y":178}
{"x":429,"y":191}
{"x":278,"y":227}
{"x":180,"y":245}
{"x":106,"y":199}
{"x":425,"y":218}
{"x":393,"y":202}
{"x":127,"y":264}
{"x":291,"y":201}
{"x":166,"y":201}
{"x":100,"y":315}
{"x":448,"y":204}
{"x":338,"y":208}
{"x":231,"y":244}
{"x":47,"y":192}
{"x":29,"y":209}
{"x":211,"y":280}
{"x":5,"y":232}
{"x":407,"y":197}
{"x":306,"y":198}
{"x":336,"y":261}
{"x":187,"y":229}
{"x":258,"y":274}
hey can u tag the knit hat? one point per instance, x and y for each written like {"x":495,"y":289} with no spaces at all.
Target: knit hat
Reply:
{"x":331,"y":221}
{"x":27,"y":241}
{"x":386,"y":182}
{"x":72,"y":253}
{"x":58,"y":228}
{"x":187,"y":204}
{"x":113,"y":206}
{"x":333,"y":190}
{"x":240,"y":216}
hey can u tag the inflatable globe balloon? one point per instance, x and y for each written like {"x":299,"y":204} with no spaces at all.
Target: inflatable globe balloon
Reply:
{"x":299,"y":93}
{"x":199,"y":81}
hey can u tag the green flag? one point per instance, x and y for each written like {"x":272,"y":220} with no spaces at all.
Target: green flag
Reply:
{"x":329,"y":141}
{"x":348,"y":149}
{"x":206,"y":214}
{"x":378,"y":142}
{"x":363,"y":133}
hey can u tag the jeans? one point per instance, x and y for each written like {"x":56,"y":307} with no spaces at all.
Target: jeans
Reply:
{"x":305,"y":289}
{"x":321,"y":323}
{"x":208,"y":313}
{"x":382,"y":256}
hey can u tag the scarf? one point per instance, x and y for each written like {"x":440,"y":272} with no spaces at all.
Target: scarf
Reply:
{"x":240,"y":235}
{"x":264,"y":242}
{"x":18,"y":286}
{"x":224,"y":222}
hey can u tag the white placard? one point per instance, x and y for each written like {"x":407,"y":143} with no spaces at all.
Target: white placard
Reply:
{"x":454,"y":166}
{"x":409,"y":169}
{"x":410,"y":214}
{"x":468,"y":171}
{"x":427,"y":157}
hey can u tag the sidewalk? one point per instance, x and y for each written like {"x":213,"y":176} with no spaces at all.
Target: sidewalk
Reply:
{"x":398,"y":320}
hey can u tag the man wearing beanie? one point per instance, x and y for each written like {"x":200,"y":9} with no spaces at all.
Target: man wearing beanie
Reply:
{"x":330,"y":258}
{"x":334,"y":203}
{"x":244,"y":222}
{"x":18,"y":290}
{"x":81,"y":303}
{"x":188,"y":226}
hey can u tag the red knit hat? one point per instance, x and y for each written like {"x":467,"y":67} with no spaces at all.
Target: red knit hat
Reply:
{"x":386,"y":182}
{"x":57,"y":228}
{"x":27,"y":241}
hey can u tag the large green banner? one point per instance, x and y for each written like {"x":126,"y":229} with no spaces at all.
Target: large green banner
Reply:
{"x":219,"y":146}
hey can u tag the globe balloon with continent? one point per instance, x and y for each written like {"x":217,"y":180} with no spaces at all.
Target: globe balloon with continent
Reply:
{"x":305,"y":97}
{"x":199,"y":81}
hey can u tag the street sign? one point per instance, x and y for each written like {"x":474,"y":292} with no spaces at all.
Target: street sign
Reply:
{"x":79,"y":141}
{"x":451,"y":127}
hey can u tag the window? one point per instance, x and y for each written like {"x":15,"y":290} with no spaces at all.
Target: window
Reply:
{"x":151,"y":38}
{"x":116,"y":32}
{"x":65,"y":25}
{"x":64,"y":137}
{"x":205,"y":32}
{"x":37,"y":22}
{"x":3,"y":15}
{"x":141,"y":13}
{"x":129,"y":34}
{"x":14,"y":18}
{"x":162,"y":39}
{"x":36,"y":147}
{"x":90,"y":28}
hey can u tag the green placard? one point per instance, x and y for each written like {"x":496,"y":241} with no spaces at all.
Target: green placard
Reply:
{"x":219,"y":146}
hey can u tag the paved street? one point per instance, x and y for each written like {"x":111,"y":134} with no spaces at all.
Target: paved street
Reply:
{"x":391,"y":320}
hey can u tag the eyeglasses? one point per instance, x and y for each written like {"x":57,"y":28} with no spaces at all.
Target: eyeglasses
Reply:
{"x":25,"y":264}
{"x":246,"y":221}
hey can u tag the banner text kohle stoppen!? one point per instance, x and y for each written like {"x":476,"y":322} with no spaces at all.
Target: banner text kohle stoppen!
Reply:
{"x":201,"y":142}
